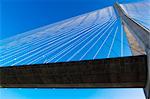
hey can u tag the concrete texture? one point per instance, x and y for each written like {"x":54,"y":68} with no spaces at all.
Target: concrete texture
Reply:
{"x":142,"y":36}
{"x":111,"y":72}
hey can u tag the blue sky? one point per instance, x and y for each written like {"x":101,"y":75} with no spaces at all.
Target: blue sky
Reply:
{"x":71,"y":93}
{"x":18,"y":16}
{"x":23,"y":15}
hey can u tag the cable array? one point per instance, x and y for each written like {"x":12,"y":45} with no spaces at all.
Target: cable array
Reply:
{"x":93,"y":35}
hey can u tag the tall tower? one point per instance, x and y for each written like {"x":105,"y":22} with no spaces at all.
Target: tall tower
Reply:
{"x":139,"y":36}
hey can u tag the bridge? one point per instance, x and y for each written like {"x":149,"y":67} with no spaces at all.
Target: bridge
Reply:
{"x":121,"y":72}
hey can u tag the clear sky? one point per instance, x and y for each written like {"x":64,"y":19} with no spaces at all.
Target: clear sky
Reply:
{"x":71,"y":93}
{"x":18,"y":16}
{"x":23,"y":15}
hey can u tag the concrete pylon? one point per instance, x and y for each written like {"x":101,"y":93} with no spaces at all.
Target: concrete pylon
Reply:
{"x":142,"y":35}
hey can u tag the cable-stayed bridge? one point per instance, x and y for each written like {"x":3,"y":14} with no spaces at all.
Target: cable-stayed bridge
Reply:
{"x":81,"y":51}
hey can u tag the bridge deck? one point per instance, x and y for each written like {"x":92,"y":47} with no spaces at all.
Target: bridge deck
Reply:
{"x":111,"y":72}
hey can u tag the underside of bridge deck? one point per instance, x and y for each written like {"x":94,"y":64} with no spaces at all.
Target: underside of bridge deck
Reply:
{"x":111,"y":72}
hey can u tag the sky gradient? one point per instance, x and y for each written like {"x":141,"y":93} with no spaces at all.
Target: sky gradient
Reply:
{"x":72,"y":93}
{"x":18,"y":16}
